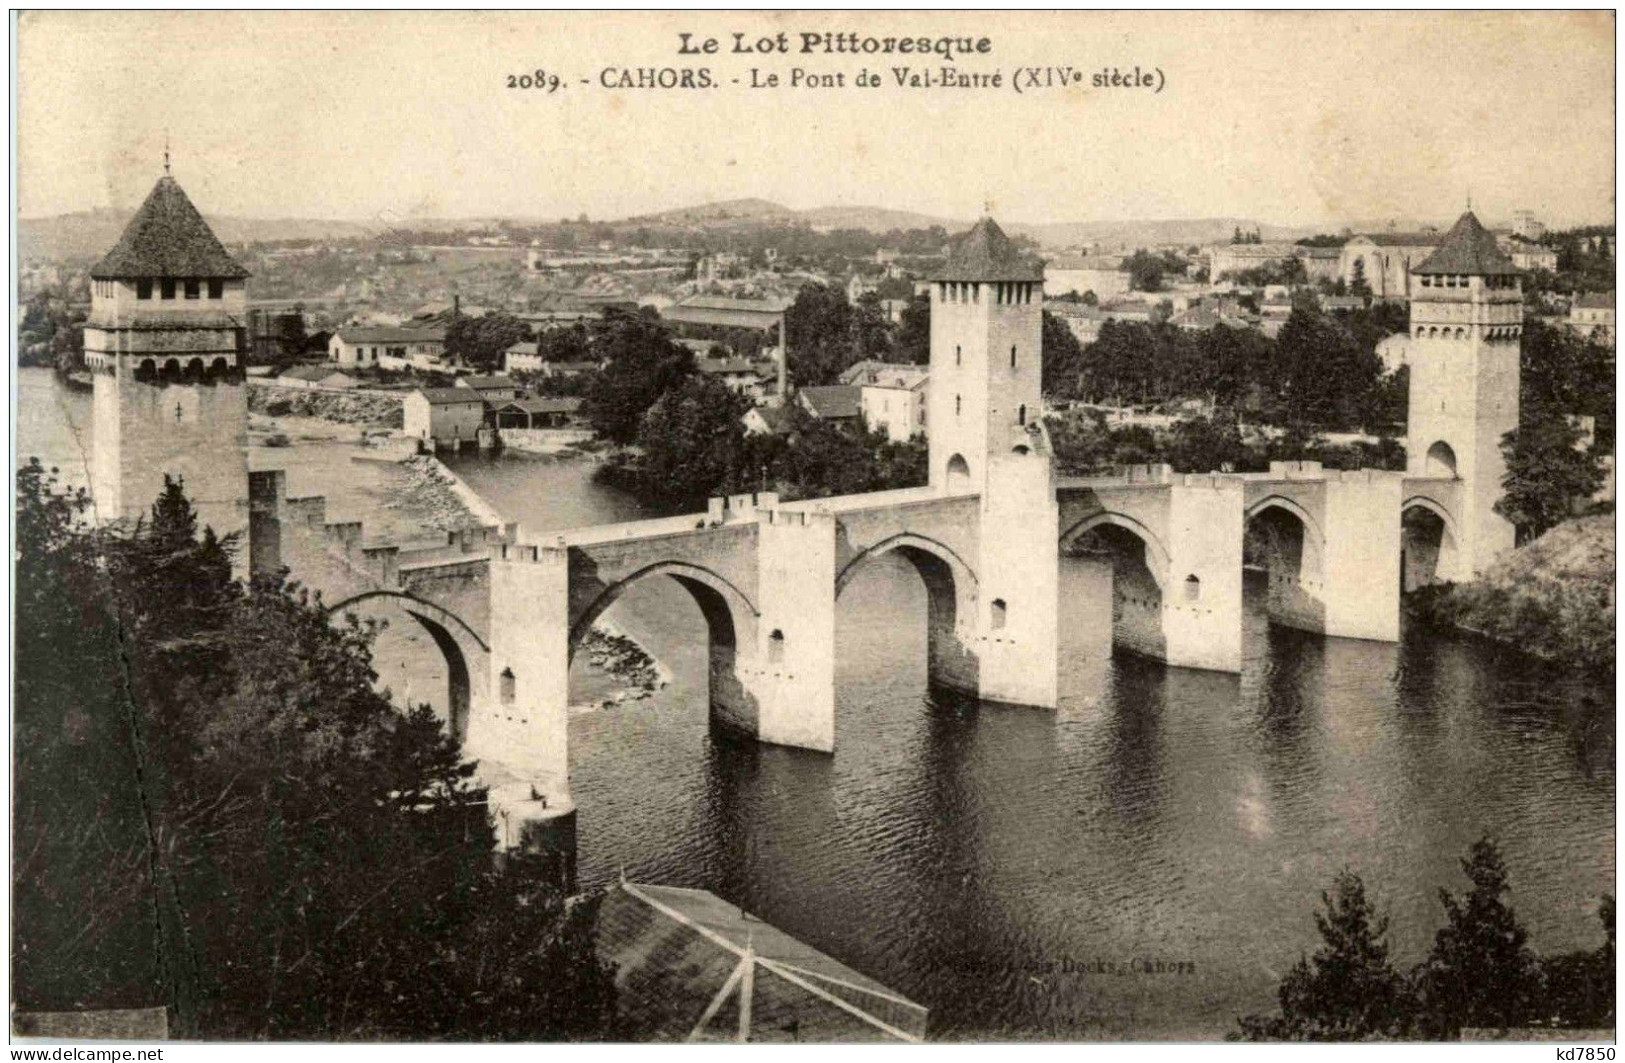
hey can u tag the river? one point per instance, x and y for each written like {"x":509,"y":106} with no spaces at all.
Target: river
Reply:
{"x":1144,"y":862}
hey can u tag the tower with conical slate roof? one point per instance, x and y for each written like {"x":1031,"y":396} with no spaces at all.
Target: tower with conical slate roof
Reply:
{"x":984,"y":414}
{"x":165,"y":342}
{"x":1466,"y":327}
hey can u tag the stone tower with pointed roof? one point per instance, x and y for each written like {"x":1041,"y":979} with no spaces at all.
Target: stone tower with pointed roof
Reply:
{"x":1466,"y":327}
{"x":984,"y":419}
{"x":165,"y":342}
{"x":987,"y":305}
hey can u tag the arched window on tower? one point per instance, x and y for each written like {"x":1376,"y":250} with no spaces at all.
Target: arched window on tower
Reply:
{"x":1012,"y":356}
{"x":997,"y":614}
{"x":1021,"y":414}
{"x":507,"y":686}
{"x":775,"y":647}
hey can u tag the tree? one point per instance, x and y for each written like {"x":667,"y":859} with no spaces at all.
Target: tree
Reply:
{"x":1357,"y":283}
{"x":1062,"y":355}
{"x":912,"y":342}
{"x":1547,"y":471}
{"x":1321,"y":375}
{"x":642,"y":364}
{"x":1347,"y":991}
{"x":1578,"y":987}
{"x":1145,"y":270}
{"x":818,"y":329}
{"x":1208,"y":444}
{"x":1480,"y":972}
{"x":692,"y":441}
{"x":224,"y":816}
{"x":480,"y":342}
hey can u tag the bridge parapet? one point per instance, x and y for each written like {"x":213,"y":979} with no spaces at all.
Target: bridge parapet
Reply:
{"x":1297,"y":470}
{"x":736,"y":508}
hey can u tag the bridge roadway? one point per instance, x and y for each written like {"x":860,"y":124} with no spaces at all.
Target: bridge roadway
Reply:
{"x":508,"y":611}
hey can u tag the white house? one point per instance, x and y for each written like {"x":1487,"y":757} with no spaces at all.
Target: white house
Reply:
{"x":387,"y":348}
{"x":1592,"y":316}
{"x":892,"y":397}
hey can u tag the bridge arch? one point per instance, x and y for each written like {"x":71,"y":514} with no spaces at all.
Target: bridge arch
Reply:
{"x":463,"y":651}
{"x":730,"y":622}
{"x":1156,"y":554}
{"x":729,"y":613}
{"x":1284,"y":538}
{"x":1430,"y":544}
{"x":951,"y":591}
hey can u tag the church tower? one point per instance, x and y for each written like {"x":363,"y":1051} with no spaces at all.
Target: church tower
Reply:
{"x":1466,"y":327}
{"x":165,"y":342}
{"x":987,"y":306}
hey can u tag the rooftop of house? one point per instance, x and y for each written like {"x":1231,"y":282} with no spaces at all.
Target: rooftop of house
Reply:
{"x":450,"y":396}
{"x":1101,"y":263}
{"x":834,"y":402}
{"x":886,"y":374}
{"x":985,"y":253}
{"x":550,"y":405}
{"x":486,"y":383}
{"x":361,"y":334}
{"x":1468,"y":248}
{"x":777,"y":418}
{"x":167,"y":237}
{"x":770,"y":305}
{"x":1429,"y":238}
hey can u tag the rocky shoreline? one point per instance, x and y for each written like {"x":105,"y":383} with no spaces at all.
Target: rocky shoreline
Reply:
{"x":609,"y":650}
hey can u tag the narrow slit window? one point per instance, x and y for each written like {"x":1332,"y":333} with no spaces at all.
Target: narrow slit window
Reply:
{"x":775,"y":647}
{"x":998,"y":614}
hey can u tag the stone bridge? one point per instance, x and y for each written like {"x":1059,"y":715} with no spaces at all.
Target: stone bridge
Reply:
{"x":507,"y":612}
{"x":1337,"y":548}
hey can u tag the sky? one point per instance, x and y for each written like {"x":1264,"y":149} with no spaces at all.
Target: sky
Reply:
{"x":1293,"y":118}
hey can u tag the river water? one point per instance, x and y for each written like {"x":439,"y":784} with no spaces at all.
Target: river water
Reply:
{"x":1142,"y":863}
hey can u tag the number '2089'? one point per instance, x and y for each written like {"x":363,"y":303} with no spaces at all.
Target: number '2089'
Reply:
{"x":540,"y":79}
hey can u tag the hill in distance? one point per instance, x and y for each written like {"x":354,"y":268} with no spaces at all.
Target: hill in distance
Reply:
{"x":89,"y":234}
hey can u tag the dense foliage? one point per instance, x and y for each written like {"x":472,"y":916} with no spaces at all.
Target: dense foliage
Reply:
{"x":479,"y":342}
{"x":640,"y":364}
{"x":1084,"y":443}
{"x":216,"y":811}
{"x":1480,"y":974}
{"x":1322,"y":370}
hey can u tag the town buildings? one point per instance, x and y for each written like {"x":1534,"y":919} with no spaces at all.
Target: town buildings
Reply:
{"x":1592,"y":316}
{"x":1102,"y":274}
{"x":444,"y":416}
{"x":387,"y":348}
{"x":892,"y":398}
{"x":1384,"y":261}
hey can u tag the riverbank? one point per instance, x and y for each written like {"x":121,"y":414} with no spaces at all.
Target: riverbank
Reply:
{"x":1552,"y":599}
{"x":343,"y":407}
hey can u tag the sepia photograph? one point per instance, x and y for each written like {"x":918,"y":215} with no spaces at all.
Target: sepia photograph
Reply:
{"x":823,"y":526}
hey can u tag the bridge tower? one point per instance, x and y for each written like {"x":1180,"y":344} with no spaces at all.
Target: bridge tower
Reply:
{"x":987,"y":308}
{"x":1466,"y":327}
{"x":985,"y":422}
{"x":165,"y":344}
